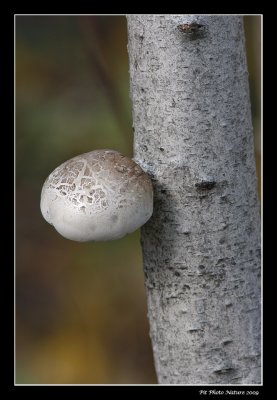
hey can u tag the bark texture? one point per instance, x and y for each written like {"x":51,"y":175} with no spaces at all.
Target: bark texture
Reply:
{"x":201,"y":248}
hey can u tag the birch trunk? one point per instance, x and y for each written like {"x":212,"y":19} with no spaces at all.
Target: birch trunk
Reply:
{"x":201,"y":248}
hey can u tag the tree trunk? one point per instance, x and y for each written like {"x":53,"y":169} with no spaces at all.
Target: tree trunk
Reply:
{"x":201,"y":248}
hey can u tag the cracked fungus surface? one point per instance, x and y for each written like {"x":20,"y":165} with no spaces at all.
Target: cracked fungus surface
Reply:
{"x":100,"y":195}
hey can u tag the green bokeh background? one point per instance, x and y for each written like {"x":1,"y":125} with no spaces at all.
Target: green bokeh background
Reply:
{"x":81,"y":313}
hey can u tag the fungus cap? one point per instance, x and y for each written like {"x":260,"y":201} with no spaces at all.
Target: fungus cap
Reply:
{"x":97,"y":196}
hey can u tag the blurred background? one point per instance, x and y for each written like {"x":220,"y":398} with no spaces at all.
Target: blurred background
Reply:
{"x":81,"y":312}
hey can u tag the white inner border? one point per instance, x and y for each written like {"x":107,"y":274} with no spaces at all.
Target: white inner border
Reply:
{"x":91,"y":384}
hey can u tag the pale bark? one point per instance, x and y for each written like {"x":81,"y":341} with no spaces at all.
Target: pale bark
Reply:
{"x":201,"y":248}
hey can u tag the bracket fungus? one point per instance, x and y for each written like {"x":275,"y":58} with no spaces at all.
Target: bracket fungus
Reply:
{"x":97,"y":196}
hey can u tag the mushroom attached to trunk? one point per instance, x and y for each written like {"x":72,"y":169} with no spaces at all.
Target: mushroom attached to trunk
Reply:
{"x":97,"y":196}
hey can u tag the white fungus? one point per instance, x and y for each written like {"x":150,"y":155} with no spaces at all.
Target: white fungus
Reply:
{"x":97,"y":196}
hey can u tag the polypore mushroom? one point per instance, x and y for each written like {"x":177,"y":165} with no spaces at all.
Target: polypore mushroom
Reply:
{"x":97,"y":196}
